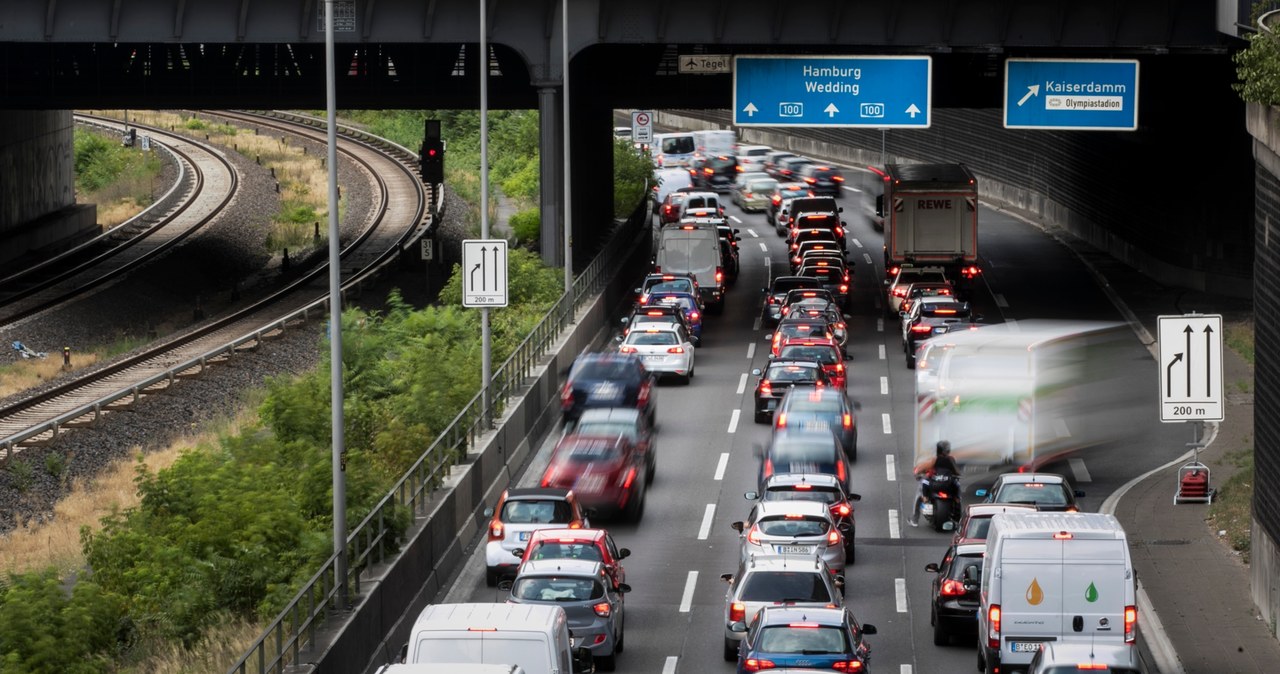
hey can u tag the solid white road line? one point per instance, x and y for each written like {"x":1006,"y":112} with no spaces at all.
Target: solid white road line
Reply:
{"x":686,"y":600}
{"x":752,"y":232}
{"x":669,"y":667}
{"x":765,"y":249}
{"x":735,"y":219}
{"x":733,"y":421}
{"x":881,"y":352}
{"x":751,"y":351}
{"x":857,"y":243}
{"x":722,"y":465}
{"x":866,"y":257}
{"x":705,"y":529}
{"x":895,"y":529}
{"x":884,"y":386}
{"x":900,"y":593}
{"x":742,"y":383}
{"x":1079,"y":471}
{"x":884,"y":420}
{"x":890,"y":471}
{"x":1001,"y":301}
{"x":879,"y":325}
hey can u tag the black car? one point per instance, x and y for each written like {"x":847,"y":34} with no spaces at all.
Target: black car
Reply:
{"x":954,"y":609}
{"x":802,"y":220}
{"x":800,"y":236}
{"x":780,"y":376}
{"x":729,"y":253}
{"x":826,"y":408}
{"x":832,"y":275}
{"x":930,"y":316}
{"x":715,"y":172}
{"x":607,"y":380}
{"x":823,"y":179}
{"x":776,"y":293}
{"x":801,"y":450}
{"x":788,"y":168}
{"x":657,"y":312}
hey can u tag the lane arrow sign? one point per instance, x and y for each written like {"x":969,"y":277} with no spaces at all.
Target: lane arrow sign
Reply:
{"x":1188,"y":352}
{"x":913,"y":110}
{"x":751,"y":109}
{"x":1033,"y":90}
{"x":831,"y":109}
{"x":1208,"y":364}
{"x":484,"y":277}
{"x":1169,"y":379}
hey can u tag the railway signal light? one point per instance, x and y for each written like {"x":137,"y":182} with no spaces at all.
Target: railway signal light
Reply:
{"x":431,"y":159}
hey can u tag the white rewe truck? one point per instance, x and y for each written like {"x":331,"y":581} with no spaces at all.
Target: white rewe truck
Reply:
{"x":1054,"y":577}
{"x":930,"y":216}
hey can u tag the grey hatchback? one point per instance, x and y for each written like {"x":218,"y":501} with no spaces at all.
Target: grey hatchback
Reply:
{"x":595,"y":610}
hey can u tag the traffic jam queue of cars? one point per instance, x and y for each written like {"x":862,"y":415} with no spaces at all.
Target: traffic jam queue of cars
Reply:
{"x":1010,"y":577}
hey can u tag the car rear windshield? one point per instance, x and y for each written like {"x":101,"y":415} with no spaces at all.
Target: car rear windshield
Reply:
{"x":785,"y":285}
{"x":1034,"y":492}
{"x":762,"y":185}
{"x":778,"y":586}
{"x":1075,"y":669}
{"x":655,"y":338}
{"x":823,"y":354}
{"x":791,"y":450}
{"x":791,"y":373}
{"x":803,"y":330}
{"x":818,"y":220}
{"x":677,"y":145}
{"x":673,"y":286}
{"x":816,"y":640}
{"x":591,"y":450}
{"x":606,"y":428}
{"x":684,"y":303}
{"x":562,"y":550}
{"x":791,"y":493}
{"x":720,"y":163}
{"x":977,"y":528}
{"x":793,"y":526}
{"x":963,"y":562}
{"x":612,"y":370}
{"x":557,"y":589}
{"x":536,"y":512}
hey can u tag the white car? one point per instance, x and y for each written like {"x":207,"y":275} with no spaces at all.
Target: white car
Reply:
{"x":665,"y":348}
{"x":896,"y":288}
{"x":751,"y":157}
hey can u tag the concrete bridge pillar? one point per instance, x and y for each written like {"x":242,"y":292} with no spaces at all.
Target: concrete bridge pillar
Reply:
{"x":551,"y":163}
{"x":38,"y":211}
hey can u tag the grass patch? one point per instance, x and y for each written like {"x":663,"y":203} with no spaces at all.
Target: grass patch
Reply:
{"x":1239,"y":338}
{"x":25,"y":374}
{"x":216,"y":651}
{"x":1232,"y":506}
{"x":120,"y":180}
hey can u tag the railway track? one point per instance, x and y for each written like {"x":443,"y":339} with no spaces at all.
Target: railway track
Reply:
{"x":401,"y":210}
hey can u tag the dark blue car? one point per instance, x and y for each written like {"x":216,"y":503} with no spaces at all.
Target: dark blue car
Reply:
{"x":810,"y":638}
{"x":688,"y":302}
{"x":607,"y":380}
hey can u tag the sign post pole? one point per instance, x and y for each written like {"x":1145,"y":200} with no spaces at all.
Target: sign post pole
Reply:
{"x":483,"y":65}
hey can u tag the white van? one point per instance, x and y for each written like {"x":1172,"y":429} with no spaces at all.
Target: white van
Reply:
{"x":1054,"y":578}
{"x":714,"y":142}
{"x":533,"y":636}
{"x":694,"y":248}
{"x":450,"y":668}
{"x":673,"y":149}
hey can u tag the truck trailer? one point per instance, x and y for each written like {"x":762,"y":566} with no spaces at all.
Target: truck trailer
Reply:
{"x":930,"y":216}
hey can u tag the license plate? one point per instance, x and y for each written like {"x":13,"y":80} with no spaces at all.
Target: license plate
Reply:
{"x":606,"y":389}
{"x":939,"y":330}
{"x":526,"y":535}
{"x":1024,"y":646}
{"x":654,"y":358}
{"x":794,"y":549}
{"x":814,"y":426}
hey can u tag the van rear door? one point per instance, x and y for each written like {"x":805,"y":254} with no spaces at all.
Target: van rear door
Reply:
{"x":530,"y":650}
{"x":1031,"y":595}
{"x":1096,"y":581}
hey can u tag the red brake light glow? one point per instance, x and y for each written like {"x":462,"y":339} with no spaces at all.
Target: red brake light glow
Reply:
{"x":833,"y":537}
{"x":847,"y":666}
{"x":782,"y":420}
{"x":843,"y":509}
{"x":753,"y":535}
{"x":757,"y":664}
{"x":952,"y":588}
{"x":737,"y":612}
{"x":495,"y":531}
{"x":993,"y":626}
{"x":846,"y":420}
{"x":1130,"y":624}
{"x":603,"y":609}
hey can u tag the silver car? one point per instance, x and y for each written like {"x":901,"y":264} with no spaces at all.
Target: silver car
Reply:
{"x":793,"y":528}
{"x":775,"y":580}
{"x":594,"y":608}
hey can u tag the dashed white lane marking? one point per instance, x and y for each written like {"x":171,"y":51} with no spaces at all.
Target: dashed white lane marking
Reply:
{"x":765,"y":249}
{"x":890,"y":471}
{"x":866,"y":257}
{"x":735,"y":219}
{"x":669,"y":667}
{"x":686,"y":600}
{"x":733,"y":421}
{"x":881,"y":352}
{"x":884,"y":386}
{"x":884,"y":419}
{"x":900,"y":594}
{"x":857,"y":243}
{"x":752,"y":232}
{"x":895,"y":529}
{"x":722,"y":465}
{"x":852,"y":189}
{"x":879,"y":325}
{"x":751,"y":351}
{"x":707,"y":516}
{"x":902,"y":669}
{"x":742,"y":383}
{"x":1079,"y":471}
{"x":755,"y":325}
{"x":1001,"y":301}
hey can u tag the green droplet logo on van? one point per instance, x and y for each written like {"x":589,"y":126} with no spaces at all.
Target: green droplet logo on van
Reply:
{"x":1091,"y":593}
{"x":1035,"y":595}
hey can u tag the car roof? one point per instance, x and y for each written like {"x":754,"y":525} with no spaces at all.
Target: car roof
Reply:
{"x":537,"y":492}
{"x":989,"y":509}
{"x":561,"y":567}
{"x":1072,"y":653}
{"x":611,"y":413}
{"x":584,"y":535}
{"x":772,"y":508}
{"x":979,"y":548}
{"x":774,"y":615}
{"x":797,"y":363}
{"x":1023,"y":478}
{"x":797,"y":563}
{"x":792,"y":479}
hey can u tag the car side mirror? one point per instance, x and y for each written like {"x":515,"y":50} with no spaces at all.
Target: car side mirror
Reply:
{"x":857,"y":406}
{"x":518,"y":552}
{"x":505,"y":584}
{"x":488,"y":512}
{"x":751,"y":495}
{"x":623,"y":588}
{"x":738,"y":627}
{"x":624,"y":320}
{"x":737,"y":526}
{"x":886,"y":283}
{"x":855,"y":497}
{"x":980,"y":493}
{"x":972,"y":573}
{"x":727,"y":577}
{"x":848,"y":356}
{"x":404,"y":653}
{"x":755,"y":372}
{"x":764,"y":291}
{"x":637,"y":291}
{"x":624,"y":553}
{"x":758,"y":450}
{"x":583,"y":663}
{"x":868,"y":629}
{"x":736,"y":230}
{"x":931,"y":567}
{"x":618,"y":339}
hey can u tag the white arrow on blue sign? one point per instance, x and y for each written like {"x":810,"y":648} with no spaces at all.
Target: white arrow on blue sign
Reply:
{"x":847,"y":91}
{"x":1087,"y":95}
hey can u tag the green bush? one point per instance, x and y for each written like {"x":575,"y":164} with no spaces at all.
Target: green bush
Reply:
{"x":1258,"y":66}
{"x":632,"y":177}
{"x":527,"y":225}
{"x":22,"y":473}
{"x":100,"y":161}
{"x":45,"y":629}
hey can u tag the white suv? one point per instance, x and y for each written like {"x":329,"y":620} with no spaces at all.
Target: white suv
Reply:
{"x":774,"y":580}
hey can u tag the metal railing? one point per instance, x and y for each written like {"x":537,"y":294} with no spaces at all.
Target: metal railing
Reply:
{"x":370,"y":541}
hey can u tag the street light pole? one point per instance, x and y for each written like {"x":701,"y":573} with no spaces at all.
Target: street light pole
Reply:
{"x":568,"y":190}
{"x":486,"y":365}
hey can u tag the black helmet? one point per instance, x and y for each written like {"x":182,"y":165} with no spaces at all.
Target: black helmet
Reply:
{"x":944,"y":447}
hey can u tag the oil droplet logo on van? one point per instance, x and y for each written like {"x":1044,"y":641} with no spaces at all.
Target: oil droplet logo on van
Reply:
{"x":1091,"y":593}
{"x":1035,"y":595}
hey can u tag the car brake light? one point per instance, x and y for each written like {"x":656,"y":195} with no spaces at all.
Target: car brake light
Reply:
{"x":631,"y":477}
{"x":495,"y":531}
{"x":708,"y":171}
{"x":782,"y":420}
{"x":899,"y":291}
{"x":777,"y":199}
{"x":839,"y":231}
{"x":642,"y":398}
{"x":846,"y":420}
{"x":847,"y":666}
{"x":768,"y":467}
{"x":657,"y":268}
{"x":838,"y":179}
{"x":603,"y":609}
{"x":719,"y":275}
{"x":844,"y":287}
{"x":693,"y":315}
{"x":566,"y":395}
{"x":952,"y":588}
{"x":626,"y":349}
{"x":1130,"y":624}
{"x":833,"y":537}
{"x":1097,"y":666}
{"x":993,"y":626}
{"x":753,"y":535}
{"x":766,"y":389}
{"x":839,"y":467}
{"x":676,"y":349}
{"x":842,"y":509}
{"x":757,"y":664}
{"x":737,"y":612}
{"x":811,"y":181}
{"x":921,"y":328}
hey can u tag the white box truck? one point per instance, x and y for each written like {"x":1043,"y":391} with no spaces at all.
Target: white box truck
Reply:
{"x":1053,"y":577}
{"x":534,"y":636}
{"x":930,"y":217}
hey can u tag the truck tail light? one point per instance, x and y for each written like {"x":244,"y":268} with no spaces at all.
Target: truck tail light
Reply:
{"x":737,"y":612}
{"x":495,"y":531}
{"x":993,"y":626}
{"x":603,"y":609}
{"x":1130,"y":624}
{"x":719,"y":275}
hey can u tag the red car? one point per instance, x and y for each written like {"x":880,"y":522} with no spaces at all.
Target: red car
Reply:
{"x":595,"y":545}
{"x":825,"y":351}
{"x":608,"y":474}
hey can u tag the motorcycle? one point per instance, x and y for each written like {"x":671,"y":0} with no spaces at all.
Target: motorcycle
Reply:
{"x":941,"y":505}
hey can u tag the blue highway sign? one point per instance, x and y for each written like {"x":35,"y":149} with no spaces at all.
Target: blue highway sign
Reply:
{"x":883,"y":92}
{"x":1089,"y":95}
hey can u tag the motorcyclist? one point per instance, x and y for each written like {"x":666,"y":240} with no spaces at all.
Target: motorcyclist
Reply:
{"x":942,"y":464}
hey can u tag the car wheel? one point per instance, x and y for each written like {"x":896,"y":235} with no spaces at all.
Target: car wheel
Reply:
{"x":982,"y":662}
{"x":940,"y":635}
{"x":635,"y":509}
{"x":491,"y":577}
{"x":653,"y":468}
{"x":607,"y":663}
{"x":761,"y":417}
{"x":730,"y":650}
{"x":911,"y":362}
{"x":850,"y":552}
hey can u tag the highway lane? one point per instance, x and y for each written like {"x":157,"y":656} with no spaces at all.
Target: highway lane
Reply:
{"x":675,"y":614}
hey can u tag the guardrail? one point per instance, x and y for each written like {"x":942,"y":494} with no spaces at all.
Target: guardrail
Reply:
{"x":370,"y":541}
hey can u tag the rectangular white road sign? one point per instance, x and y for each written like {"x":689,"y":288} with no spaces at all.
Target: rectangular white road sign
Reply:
{"x":1190,"y":367}
{"x":484,"y":273}
{"x":642,"y":126}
